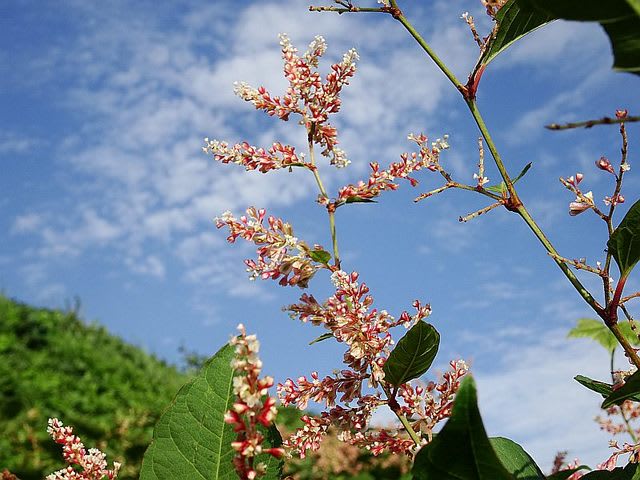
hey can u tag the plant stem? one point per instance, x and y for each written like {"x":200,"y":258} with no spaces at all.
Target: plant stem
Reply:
{"x":323,"y":192}
{"x":515,"y":204}
{"x":407,"y":426}
{"x":591,"y":123}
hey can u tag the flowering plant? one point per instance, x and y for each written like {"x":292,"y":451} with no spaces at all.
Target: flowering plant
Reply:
{"x":222,"y":424}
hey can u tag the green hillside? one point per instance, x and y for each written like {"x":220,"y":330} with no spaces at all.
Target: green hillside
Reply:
{"x":52,"y":364}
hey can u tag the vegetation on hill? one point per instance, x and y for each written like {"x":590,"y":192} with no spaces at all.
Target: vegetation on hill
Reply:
{"x":54,"y":365}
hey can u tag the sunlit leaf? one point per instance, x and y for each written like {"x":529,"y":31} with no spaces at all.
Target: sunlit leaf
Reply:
{"x":191,"y":439}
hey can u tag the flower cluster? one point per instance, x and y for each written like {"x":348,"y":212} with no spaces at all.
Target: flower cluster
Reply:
{"x":93,"y":462}
{"x":350,"y":319}
{"x":253,"y":158}
{"x":252,"y":407}
{"x":280,"y":254}
{"x":307,"y":96}
{"x":583,"y":201}
{"x":381,"y":180}
{"x":421,"y":403}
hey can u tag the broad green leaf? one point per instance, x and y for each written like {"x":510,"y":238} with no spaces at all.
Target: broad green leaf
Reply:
{"x":598,"y":331}
{"x":461,"y":450}
{"x":630,"y":472}
{"x":619,"y":18}
{"x":624,"y":243}
{"x":191,"y":439}
{"x":515,"y":19}
{"x":629,"y":391}
{"x":320,"y":256}
{"x":517,"y":462}
{"x":564,"y":474}
{"x":413,"y":355}
{"x":321,"y":338}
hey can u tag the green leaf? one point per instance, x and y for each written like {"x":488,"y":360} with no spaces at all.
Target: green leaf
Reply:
{"x":413,"y":355}
{"x":619,"y":18}
{"x":564,"y":474}
{"x":598,"y":331}
{"x":320,"y":256}
{"x":624,"y":243}
{"x":629,"y":391}
{"x":517,"y":462}
{"x":461,"y":450}
{"x":354,"y":199}
{"x":630,"y":472}
{"x":502,"y":188}
{"x":515,"y":19}
{"x":321,"y":338}
{"x":191,"y":439}
{"x":602,"y":388}
{"x":595,"y":330}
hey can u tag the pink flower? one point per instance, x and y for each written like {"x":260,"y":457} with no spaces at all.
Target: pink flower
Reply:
{"x":252,"y":158}
{"x":581,"y":203}
{"x":253,"y":406}
{"x":280,"y":254}
{"x":604,"y":164}
{"x":93,"y":462}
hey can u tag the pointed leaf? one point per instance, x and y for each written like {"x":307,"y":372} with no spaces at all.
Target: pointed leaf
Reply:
{"x":629,"y":391}
{"x":602,"y":388}
{"x":191,"y":439}
{"x":355,"y":199}
{"x":461,"y":450}
{"x":624,"y":243}
{"x":413,"y":355}
{"x":619,"y":18}
{"x":515,"y":19}
{"x":517,"y":462}
{"x":321,"y":338}
{"x":320,"y":256}
{"x":502,"y":187}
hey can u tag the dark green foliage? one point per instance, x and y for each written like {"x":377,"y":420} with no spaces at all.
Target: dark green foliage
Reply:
{"x":413,"y":355}
{"x":54,"y":365}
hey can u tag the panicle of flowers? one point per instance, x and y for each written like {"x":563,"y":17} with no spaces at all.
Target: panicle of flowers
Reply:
{"x":307,"y":95}
{"x":431,"y":404}
{"x":381,"y":180}
{"x":350,"y":318}
{"x":254,"y":158}
{"x":280,"y":254}
{"x":92,"y":462}
{"x":252,"y":407}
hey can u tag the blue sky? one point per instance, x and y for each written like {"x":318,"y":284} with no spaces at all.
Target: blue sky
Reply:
{"x":105,"y":194}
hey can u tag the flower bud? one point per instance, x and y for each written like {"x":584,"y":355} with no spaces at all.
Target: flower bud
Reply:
{"x":604,"y":164}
